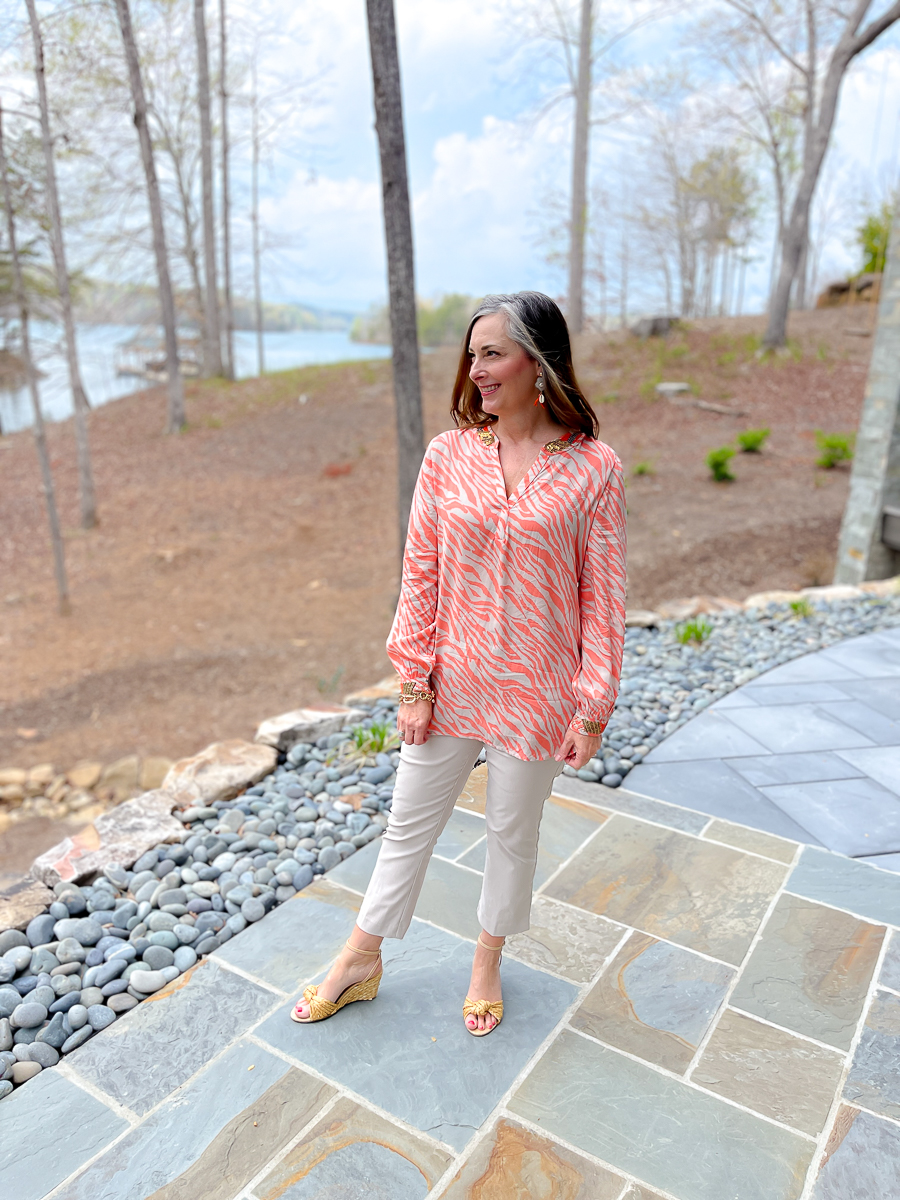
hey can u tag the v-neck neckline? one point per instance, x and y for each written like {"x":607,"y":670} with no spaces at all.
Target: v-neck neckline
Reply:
{"x":489,"y":439}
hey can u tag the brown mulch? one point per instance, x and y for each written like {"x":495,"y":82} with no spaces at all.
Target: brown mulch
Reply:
{"x":249,"y":565}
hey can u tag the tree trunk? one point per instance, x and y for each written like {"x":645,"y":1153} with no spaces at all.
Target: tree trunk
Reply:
{"x":175,"y":418}
{"x":228,"y":304}
{"x":212,"y":341}
{"x":40,"y":440}
{"x":580,"y":147}
{"x":80,"y":404}
{"x":802,"y":271}
{"x":254,"y":225}
{"x":398,"y":237}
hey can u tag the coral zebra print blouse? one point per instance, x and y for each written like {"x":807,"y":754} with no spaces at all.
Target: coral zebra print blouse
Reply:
{"x":513,"y":609}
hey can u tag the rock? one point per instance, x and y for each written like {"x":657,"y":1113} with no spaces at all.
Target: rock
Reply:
{"x":42,"y":775}
{"x":122,"y":776}
{"x":10,"y":999}
{"x":641,"y":618}
{"x":43,"y":1053}
{"x":121,"y":1003}
{"x":385,"y":689}
{"x":100,"y":1016}
{"x":171,"y":896}
{"x":157,"y":957}
{"x":121,"y":835}
{"x":184,"y":958}
{"x":64,"y":1003}
{"x":19,"y":957}
{"x":764,"y":599}
{"x":6,"y":1087}
{"x":11,"y":938}
{"x":28,"y":1016}
{"x":20,"y":903}
{"x":85,"y":775}
{"x":77,"y":1016}
{"x":92,"y":995}
{"x":39,"y":930}
{"x":55,"y":1033}
{"x":78,"y":1038}
{"x":159,"y":921}
{"x":13,"y":777}
{"x":23,"y":1071}
{"x":612,"y":780}
{"x":70,"y":951}
{"x":146,"y":982}
{"x":252,"y":909}
{"x":6,"y":1034}
{"x":153,"y":772}
{"x":328,"y":858}
{"x":305,"y":725}
{"x":107,"y":972}
{"x":653,"y":327}
{"x":303,"y":877}
{"x":208,"y":943}
{"x":218,"y":772}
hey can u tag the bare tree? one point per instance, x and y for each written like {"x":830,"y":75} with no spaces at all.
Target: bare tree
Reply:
{"x":255,"y":144}
{"x":398,"y":238}
{"x":40,"y":438}
{"x":176,"y":417}
{"x":227,"y":300}
{"x":212,"y":345}
{"x":816,"y":40}
{"x":80,"y":405}
{"x":580,"y":148}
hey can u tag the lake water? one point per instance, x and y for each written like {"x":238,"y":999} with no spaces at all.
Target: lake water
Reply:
{"x":98,"y":345}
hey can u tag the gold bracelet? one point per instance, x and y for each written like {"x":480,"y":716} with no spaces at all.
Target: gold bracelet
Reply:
{"x":409,"y":693}
{"x":592,"y":728}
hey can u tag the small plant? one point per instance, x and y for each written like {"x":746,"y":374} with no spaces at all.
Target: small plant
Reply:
{"x":643,"y":468}
{"x":802,"y":607}
{"x":717,"y":461}
{"x":697,"y":631}
{"x":377,"y":739}
{"x":834,"y":448}
{"x":751,"y":440}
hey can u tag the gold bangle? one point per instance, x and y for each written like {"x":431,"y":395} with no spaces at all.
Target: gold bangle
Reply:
{"x":409,"y":693}
{"x":591,"y":728}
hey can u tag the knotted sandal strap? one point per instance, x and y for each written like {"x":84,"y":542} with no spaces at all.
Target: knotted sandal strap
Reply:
{"x":319,"y":1007}
{"x":483,"y":1008}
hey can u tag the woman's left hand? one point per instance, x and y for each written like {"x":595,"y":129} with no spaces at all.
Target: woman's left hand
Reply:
{"x":577,"y":749}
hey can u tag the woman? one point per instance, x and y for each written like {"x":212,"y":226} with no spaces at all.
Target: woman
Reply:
{"x":508,"y":634}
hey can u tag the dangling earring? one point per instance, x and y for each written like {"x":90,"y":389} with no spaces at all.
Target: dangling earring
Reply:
{"x":539,"y":384}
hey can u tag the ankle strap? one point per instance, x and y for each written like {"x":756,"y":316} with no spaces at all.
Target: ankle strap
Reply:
{"x":487,"y":945}
{"x":356,"y":950}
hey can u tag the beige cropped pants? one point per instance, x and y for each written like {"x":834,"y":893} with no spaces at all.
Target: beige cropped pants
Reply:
{"x":430,"y":778}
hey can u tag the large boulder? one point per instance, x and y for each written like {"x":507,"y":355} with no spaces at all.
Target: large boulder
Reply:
{"x":305,"y":725}
{"x":220,"y":772}
{"x":385,"y":689}
{"x":120,"y":835}
{"x":21,"y":901}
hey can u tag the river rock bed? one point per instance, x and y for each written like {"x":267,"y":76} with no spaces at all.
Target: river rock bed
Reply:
{"x":666,"y":681}
{"x":102,"y":948}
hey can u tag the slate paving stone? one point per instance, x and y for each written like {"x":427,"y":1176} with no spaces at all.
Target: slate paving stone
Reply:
{"x":740,"y":698}
{"x":884,"y":862}
{"x":460,"y":833}
{"x":356,"y":871}
{"x":474,"y":795}
{"x":711,"y":735}
{"x":297,"y":940}
{"x":796,"y":728}
{"x":715,"y":789}
{"x":843,"y":883}
{"x":355,"y":1152}
{"x":809,"y":767}
{"x":790,"y":693}
{"x":881,"y":694}
{"x":636,"y":1192}
{"x":655,"y":1001}
{"x":670,"y":1136}
{"x":212,"y":1138}
{"x":629,"y":801}
{"x":168,"y":1038}
{"x":771,"y":1071}
{"x":515,"y":1163}
{"x":881,"y":763}
{"x":872,"y":656}
{"x":849,"y":816}
{"x":449,"y":898}
{"x":417,"y":1058}
{"x":566,"y":940}
{"x":861,"y":1160}
{"x":874,"y":1077}
{"x":50,"y":1128}
{"x":882,"y":730}
{"x":706,"y":897}
{"x":753,"y":840}
{"x":811,"y":668}
{"x":890,"y":965}
{"x":810,"y":970}
{"x":565,"y":825}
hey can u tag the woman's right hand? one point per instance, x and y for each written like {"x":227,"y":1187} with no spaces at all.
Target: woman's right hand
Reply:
{"x":413,"y":721}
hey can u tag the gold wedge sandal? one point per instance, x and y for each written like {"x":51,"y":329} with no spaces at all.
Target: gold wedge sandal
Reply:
{"x":484,"y":1008}
{"x":320,"y":1008}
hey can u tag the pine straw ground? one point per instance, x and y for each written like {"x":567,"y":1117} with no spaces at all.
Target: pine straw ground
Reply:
{"x":249,"y":565}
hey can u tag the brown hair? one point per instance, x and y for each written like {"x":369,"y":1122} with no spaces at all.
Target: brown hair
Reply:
{"x":535,"y":323}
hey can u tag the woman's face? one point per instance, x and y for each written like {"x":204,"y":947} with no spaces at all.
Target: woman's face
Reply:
{"x":501,"y":370}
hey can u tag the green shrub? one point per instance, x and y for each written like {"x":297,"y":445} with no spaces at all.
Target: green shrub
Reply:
{"x":697,"y":631}
{"x":834,"y":448}
{"x":802,"y":607}
{"x":643,"y":468}
{"x":717,"y":461}
{"x":378,"y":738}
{"x":751,"y":440}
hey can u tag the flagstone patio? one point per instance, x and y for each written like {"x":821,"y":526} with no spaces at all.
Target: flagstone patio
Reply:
{"x":701,"y":1010}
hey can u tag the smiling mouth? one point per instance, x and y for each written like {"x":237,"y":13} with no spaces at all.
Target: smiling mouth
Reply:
{"x":489,"y":389}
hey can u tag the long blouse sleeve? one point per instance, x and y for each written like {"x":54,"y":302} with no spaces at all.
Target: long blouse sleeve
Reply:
{"x":411,"y":642}
{"x":602,"y":609}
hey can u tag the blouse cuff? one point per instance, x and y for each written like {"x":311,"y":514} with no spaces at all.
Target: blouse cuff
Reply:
{"x":590,"y":727}
{"x":420,"y":682}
